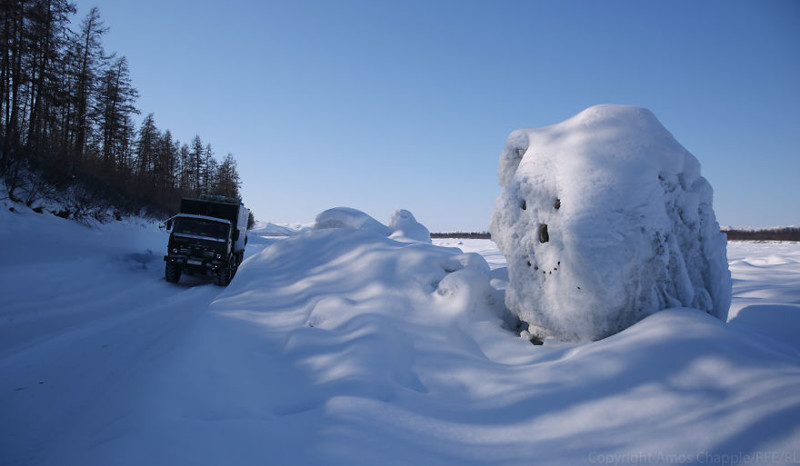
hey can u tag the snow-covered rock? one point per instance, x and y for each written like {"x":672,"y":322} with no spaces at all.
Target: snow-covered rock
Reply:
{"x":406,"y":228}
{"x":605,"y":219}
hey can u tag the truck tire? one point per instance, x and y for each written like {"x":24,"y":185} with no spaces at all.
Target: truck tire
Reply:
{"x":225,"y":273}
{"x":239,"y":260}
{"x":172,"y":272}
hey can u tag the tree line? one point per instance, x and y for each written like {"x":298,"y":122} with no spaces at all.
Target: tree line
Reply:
{"x":462,"y":235}
{"x":67,"y":120}
{"x":770,"y":234}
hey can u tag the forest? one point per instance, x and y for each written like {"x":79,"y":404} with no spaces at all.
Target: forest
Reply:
{"x":68,"y":123}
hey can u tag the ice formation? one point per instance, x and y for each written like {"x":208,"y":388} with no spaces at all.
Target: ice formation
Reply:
{"x":604,"y":219}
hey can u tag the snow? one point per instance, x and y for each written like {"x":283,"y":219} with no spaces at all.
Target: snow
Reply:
{"x":347,"y":217}
{"x":605,"y":219}
{"x":402,"y":227}
{"x":277,"y":229}
{"x":344,"y":346}
{"x":407,"y":228}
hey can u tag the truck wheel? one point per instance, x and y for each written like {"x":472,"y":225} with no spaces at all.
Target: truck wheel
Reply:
{"x":239,"y":260}
{"x":225,"y":273}
{"x":172,"y":272}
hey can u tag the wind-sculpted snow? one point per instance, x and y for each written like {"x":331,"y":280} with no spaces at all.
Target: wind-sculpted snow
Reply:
{"x":604,"y":219}
{"x":347,"y":217}
{"x":407,"y":228}
{"x":272,"y":230}
{"x":402,"y":227}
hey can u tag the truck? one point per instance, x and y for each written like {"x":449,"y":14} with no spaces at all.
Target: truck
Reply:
{"x":207,"y":236}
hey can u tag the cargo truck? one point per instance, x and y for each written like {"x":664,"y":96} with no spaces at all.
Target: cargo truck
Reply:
{"x":208,"y":236}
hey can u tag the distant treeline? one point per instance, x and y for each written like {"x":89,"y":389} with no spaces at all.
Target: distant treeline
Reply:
{"x":67,"y":128}
{"x":462,"y":234}
{"x":773,"y":234}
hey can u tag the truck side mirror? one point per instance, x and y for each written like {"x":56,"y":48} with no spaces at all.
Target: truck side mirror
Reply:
{"x":169,"y":224}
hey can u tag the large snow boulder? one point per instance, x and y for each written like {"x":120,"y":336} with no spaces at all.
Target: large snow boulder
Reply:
{"x":604,"y":219}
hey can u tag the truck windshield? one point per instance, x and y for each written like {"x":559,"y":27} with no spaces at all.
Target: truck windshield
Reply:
{"x":199,"y":227}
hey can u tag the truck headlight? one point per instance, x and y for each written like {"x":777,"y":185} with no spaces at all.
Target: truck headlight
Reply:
{"x":219,"y":256}
{"x":174,"y":250}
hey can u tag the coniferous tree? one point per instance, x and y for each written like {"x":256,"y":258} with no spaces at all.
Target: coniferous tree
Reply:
{"x":185,"y":177}
{"x":228,"y":181}
{"x":196,"y":153}
{"x":115,"y":106}
{"x":88,"y":52}
{"x":66,"y":114}
{"x":166,"y":173}
{"x":49,"y":36}
{"x":146,"y":148}
{"x":11,"y":78}
{"x":209,"y":170}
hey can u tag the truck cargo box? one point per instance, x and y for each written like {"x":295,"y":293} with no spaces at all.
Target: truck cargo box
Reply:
{"x":225,"y":210}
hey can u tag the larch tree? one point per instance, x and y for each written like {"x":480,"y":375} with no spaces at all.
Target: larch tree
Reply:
{"x":89,"y":54}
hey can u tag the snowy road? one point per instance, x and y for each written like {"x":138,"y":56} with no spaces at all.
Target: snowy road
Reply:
{"x":324,"y":351}
{"x":86,"y":318}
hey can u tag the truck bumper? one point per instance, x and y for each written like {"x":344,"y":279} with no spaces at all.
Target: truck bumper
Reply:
{"x":194,"y":262}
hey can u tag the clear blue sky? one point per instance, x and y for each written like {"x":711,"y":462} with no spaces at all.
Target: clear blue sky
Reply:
{"x":380,"y":105}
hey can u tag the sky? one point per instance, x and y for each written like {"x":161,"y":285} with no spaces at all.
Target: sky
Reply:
{"x":387,"y":104}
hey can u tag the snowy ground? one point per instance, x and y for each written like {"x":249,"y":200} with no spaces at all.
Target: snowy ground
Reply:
{"x":324,"y":351}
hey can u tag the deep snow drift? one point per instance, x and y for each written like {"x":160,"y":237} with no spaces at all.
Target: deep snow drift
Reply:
{"x":604,"y":219}
{"x":343,"y":346}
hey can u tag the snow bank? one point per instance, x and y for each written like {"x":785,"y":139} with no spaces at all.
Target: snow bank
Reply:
{"x":605,"y":219}
{"x":403,"y":226}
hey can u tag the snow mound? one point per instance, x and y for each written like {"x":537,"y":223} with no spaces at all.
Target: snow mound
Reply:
{"x":604,"y":219}
{"x":376,"y":275}
{"x":379,"y":296}
{"x":275,"y":229}
{"x":347,"y":217}
{"x":403,"y":226}
{"x":406,"y":228}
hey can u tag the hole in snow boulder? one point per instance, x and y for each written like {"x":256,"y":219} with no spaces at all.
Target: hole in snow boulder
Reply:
{"x":543,"y":236}
{"x":558,"y":204}
{"x":524,"y":205}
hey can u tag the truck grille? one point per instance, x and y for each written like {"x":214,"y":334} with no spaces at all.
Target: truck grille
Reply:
{"x":196,"y":252}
